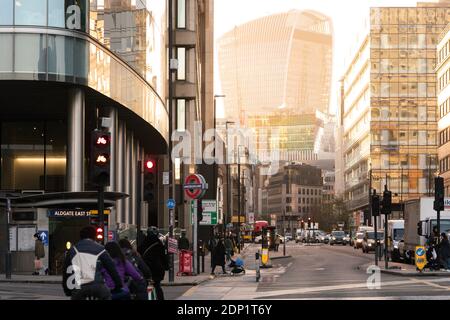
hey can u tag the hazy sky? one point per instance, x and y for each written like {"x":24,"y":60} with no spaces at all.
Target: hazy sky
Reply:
{"x":347,"y":16}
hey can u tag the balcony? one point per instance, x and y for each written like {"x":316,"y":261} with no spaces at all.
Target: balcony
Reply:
{"x":357,"y":203}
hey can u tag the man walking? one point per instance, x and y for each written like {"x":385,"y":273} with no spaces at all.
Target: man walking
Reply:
{"x":82,"y":277}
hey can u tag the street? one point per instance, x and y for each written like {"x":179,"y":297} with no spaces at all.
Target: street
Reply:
{"x":319,"y":272}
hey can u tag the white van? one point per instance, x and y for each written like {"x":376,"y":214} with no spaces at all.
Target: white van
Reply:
{"x":396,"y":229}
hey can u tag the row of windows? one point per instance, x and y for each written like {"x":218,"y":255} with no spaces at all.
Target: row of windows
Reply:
{"x":403,"y":137}
{"x":412,"y":89}
{"x":444,"y":165}
{"x":50,"y":13}
{"x":444,"y":136}
{"x":443,"y":53}
{"x":305,"y":200}
{"x":444,"y":80}
{"x":301,"y":209}
{"x":444,"y":108}
{"x":313,"y":192}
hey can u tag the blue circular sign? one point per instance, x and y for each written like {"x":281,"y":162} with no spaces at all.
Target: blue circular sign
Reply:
{"x":420,"y":252}
{"x":171,"y":204}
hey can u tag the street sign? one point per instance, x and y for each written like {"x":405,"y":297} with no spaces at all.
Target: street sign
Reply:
{"x":165,"y":178}
{"x":195,"y":186}
{"x":170,"y":204}
{"x":210,"y":217}
{"x":43,"y":235}
{"x":421,"y":259}
{"x":173,"y":245}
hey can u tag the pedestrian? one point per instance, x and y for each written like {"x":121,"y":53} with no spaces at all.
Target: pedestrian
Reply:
{"x":277,"y":242}
{"x":137,"y":288}
{"x":39,"y":254}
{"x":124,"y":268}
{"x":228,"y":248}
{"x":218,"y":257}
{"x":154,"y":255}
{"x":444,"y":252}
{"x":82,"y":276}
{"x":183,"y":243}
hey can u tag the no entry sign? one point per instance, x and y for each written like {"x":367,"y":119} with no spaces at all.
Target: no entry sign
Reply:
{"x":195,"y":186}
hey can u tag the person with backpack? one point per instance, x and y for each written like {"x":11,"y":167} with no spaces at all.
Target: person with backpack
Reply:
{"x":82,"y":271}
{"x":137,"y":288}
{"x":124,"y":268}
{"x":154,"y":254}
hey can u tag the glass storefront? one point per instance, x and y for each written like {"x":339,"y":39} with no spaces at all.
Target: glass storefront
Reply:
{"x":33,"y":155}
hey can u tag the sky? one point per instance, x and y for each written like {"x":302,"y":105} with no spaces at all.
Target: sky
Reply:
{"x":348,"y":17}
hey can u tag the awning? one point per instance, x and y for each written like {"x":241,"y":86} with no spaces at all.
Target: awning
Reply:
{"x":85,"y":199}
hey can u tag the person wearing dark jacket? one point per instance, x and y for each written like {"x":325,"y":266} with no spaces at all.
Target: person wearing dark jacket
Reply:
{"x":138,"y":288}
{"x":183,"y":243}
{"x":444,"y":252}
{"x":154,"y":255}
{"x":218,"y":257}
{"x":82,"y":276}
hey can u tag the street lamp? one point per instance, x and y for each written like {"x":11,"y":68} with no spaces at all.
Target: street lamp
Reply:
{"x":215,"y":156}
{"x":229,"y":189}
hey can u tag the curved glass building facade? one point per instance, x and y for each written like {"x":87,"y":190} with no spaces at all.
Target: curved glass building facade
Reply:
{"x":69,"y":67}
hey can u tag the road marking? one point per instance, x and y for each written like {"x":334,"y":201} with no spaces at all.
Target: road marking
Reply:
{"x":328,"y":288}
{"x":430,"y":284}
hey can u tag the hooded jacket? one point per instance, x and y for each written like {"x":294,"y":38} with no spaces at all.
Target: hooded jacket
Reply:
{"x":105,"y":261}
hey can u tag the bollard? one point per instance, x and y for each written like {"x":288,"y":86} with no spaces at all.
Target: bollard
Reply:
{"x":258,"y":272}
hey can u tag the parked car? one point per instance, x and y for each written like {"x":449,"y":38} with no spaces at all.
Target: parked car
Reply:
{"x":368,"y":243}
{"x":358,"y":240}
{"x":338,"y":237}
{"x":347,"y":239}
{"x":288,"y":237}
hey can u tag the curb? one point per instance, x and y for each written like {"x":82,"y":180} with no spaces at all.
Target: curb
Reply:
{"x":31,"y":281}
{"x":282,"y":257}
{"x":412,"y":274}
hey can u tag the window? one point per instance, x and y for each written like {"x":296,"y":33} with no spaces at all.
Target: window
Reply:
{"x":30,"y":53}
{"x":181,"y":56}
{"x":31,"y":12}
{"x":56,"y":14}
{"x":181,"y":14}
{"x":6,"y":12}
{"x":181,"y":114}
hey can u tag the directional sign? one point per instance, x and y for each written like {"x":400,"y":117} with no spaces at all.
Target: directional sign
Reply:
{"x":43,"y":235}
{"x":170,"y":204}
{"x":173,"y":245}
{"x":421,"y":259}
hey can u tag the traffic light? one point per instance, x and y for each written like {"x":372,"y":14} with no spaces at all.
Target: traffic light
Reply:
{"x":375,"y":205}
{"x":309,"y":223}
{"x":149,"y":180}
{"x":302,"y":225}
{"x":100,"y":161}
{"x":387,"y":202}
{"x":438,"y":194}
{"x":199,"y":211}
{"x":99,"y":234}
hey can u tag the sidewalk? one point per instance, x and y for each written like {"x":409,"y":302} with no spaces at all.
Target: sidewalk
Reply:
{"x":406,"y":270}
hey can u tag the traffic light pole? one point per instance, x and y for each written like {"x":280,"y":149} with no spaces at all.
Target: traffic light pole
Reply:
{"x":8,"y":245}
{"x":376,"y":234}
{"x":171,"y":122}
{"x":101,"y":208}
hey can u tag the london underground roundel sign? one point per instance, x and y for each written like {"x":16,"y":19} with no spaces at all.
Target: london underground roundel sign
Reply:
{"x":195,"y":186}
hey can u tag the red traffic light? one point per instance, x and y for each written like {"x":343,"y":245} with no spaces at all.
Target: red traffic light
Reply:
{"x":102,"y":140}
{"x":99,"y":234}
{"x":149,"y":164}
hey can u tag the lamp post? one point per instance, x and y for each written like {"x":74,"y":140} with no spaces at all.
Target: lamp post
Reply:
{"x":215,"y":147}
{"x":229,"y":189}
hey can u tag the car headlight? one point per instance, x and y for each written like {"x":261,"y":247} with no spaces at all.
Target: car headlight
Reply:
{"x":333,"y":238}
{"x":396,"y":247}
{"x":370,"y":244}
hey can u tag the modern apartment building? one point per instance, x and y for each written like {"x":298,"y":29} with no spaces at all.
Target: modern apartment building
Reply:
{"x":388,"y":112}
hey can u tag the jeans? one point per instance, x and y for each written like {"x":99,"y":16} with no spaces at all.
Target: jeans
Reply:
{"x":97,"y":291}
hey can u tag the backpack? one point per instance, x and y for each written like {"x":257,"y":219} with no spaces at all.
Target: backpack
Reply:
{"x":85,"y":266}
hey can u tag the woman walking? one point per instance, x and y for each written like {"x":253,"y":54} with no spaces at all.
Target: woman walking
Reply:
{"x":218,"y":257}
